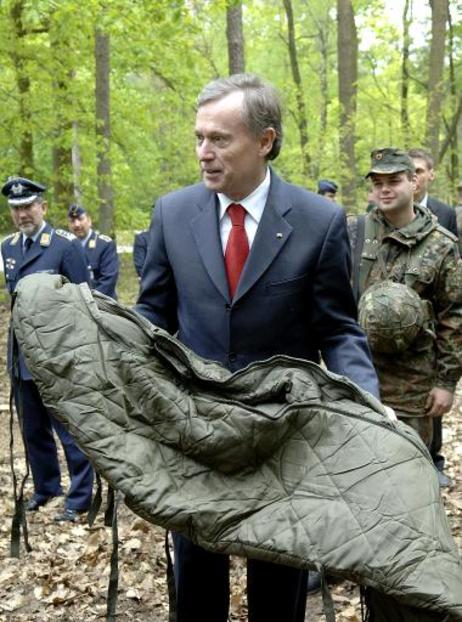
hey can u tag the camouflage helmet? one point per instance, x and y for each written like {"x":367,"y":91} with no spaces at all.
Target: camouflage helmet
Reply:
{"x":392,"y":315}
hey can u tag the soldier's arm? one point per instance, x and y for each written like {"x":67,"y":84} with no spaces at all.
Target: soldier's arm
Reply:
{"x":108,"y":270}
{"x":448,"y":310}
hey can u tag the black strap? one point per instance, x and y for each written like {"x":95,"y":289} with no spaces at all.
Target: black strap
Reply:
{"x":96,"y":502}
{"x":114,"y":574}
{"x":110,"y":507}
{"x":328,"y":603}
{"x":172,"y":613}
{"x":19,"y":521}
{"x":357,"y":251}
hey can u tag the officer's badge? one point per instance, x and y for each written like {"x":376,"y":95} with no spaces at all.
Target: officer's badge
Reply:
{"x":10,"y":263}
{"x":45,"y":239}
{"x":92,"y":244}
{"x":15,"y":238}
{"x":17,"y":189}
{"x":378,"y":155}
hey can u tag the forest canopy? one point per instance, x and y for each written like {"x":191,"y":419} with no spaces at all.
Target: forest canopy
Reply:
{"x":98,"y":98}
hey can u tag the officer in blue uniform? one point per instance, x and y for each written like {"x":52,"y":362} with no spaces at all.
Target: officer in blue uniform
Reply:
{"x":37,"y":247}
{"x":140,"y":248}
{"x":328,"y":189}
{"x":100,"y":251}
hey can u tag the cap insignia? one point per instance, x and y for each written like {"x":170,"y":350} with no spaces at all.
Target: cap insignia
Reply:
{"x":17,"y":189}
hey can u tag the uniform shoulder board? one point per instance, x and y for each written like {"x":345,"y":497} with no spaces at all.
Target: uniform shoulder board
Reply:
{"x":65,"y":234}
{"x":8,"y":237}
{"x":105,"y":238}
{"x":447,"y":233}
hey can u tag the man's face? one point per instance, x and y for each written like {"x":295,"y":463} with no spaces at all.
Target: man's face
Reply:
{"x":80,"y":226}
{"x":29,"y":218}
{"x":425,"y":175}
{"x":231,"y":158}
{"x":330,"y":195}
{"x":393,"y":193}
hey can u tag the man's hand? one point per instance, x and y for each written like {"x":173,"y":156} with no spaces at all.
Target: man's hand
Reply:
{"x":439,"y":402}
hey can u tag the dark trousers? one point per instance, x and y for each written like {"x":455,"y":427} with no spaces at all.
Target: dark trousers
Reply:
{"x":437,"y":443}
{"x":275,"y":593}
{"x":38,"y":425}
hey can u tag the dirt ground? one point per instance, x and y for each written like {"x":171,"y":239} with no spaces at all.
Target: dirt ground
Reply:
{"x":65,"y":576}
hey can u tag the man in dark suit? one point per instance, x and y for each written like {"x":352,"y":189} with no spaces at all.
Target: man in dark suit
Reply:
{"x":37,"y":247}
{"x":100,"y":251}
{"x":424,"y":165}
{"x":245,"y":266}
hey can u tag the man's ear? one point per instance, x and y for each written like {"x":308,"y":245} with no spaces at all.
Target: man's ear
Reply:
{"x":266,"y":141}
{"x":431,"y":174}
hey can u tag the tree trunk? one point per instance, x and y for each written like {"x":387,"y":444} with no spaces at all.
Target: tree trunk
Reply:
{"x":76,"y":163}
{"x":103,"y":133}
{"x":26,"y":143}
{"x":302,"y":122}
{"x":62,"y":134}
{"x":235,"y":36}
{"x":407,"y":19}
{"x":455,"y":109}
{"x":440,"y":10}
{"x":347,"y":54}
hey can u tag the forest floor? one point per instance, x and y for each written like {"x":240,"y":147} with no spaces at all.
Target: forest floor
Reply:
{"x":65,"y":576}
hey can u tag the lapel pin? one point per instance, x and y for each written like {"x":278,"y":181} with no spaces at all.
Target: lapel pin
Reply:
{"x":279,"y":235}
{"x":92,"y":244}
{"x":45,"y":239}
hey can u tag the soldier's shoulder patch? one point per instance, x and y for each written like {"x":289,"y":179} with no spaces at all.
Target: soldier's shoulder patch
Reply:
{"x":447,"y":233}
{"x":65,"y":234}
{"x":105,"y":238}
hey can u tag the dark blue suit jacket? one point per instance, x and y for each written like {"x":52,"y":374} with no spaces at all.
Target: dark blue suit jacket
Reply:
{"x":54,"y":252}
{"x":294,"y":295}
{"x":103,"y":263}
{"x":446,"y":215}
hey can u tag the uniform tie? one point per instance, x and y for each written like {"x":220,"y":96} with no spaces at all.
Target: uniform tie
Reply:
{"x":237,"y":248}
{"x":27,"y":244}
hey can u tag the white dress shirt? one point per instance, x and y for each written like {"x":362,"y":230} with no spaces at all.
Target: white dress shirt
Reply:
{"x":254,"y":205}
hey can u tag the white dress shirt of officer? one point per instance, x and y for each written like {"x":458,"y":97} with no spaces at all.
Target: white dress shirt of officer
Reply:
{"x":37,"y":247}
{"x":100,"y":251}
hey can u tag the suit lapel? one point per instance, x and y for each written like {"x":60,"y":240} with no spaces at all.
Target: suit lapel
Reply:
{"x":272,"y":235}
{"x":207,"y":235}
{"x":35,"y":250}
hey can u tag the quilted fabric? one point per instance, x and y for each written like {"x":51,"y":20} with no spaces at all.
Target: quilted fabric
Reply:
{"x":281,"y":461}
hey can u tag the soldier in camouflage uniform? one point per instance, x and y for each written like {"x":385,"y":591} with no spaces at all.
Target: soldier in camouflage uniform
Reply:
{"x":402,"y":242}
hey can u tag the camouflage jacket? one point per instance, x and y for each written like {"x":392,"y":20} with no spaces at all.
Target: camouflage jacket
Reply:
{"x":424,"y":256}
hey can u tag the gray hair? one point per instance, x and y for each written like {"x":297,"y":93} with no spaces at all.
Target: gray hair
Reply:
{"x":261,"y":104}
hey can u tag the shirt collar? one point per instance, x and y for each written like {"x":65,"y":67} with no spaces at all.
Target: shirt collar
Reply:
{"x":424,"y":201}
{"x":35,"y":236}
{"x":254,"y":203}
{"x":88,"y":236}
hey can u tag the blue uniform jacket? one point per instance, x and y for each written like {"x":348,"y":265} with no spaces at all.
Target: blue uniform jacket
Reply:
{"x":140,"y":248}
{"x":55,"y":251}
{"x":294,"y":295}
{"x":103,"y":263}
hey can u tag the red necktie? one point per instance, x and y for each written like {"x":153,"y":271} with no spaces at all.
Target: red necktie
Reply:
{"x":237,"y":248}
